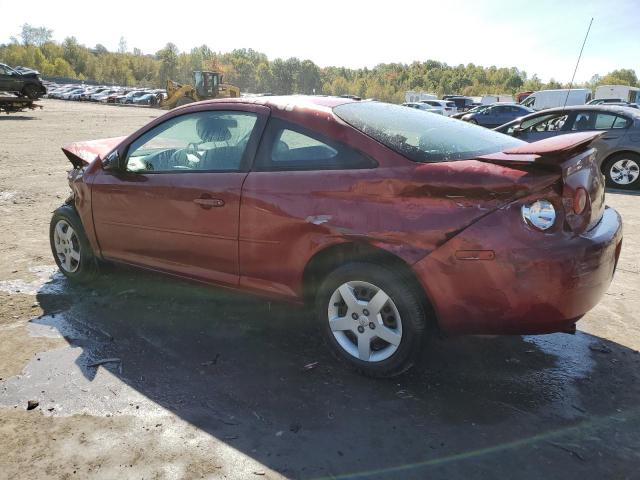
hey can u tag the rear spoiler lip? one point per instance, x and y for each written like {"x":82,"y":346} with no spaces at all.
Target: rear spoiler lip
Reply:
{"x":548,"y":151}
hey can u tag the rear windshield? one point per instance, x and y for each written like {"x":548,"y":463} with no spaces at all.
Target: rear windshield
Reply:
{"x":423,"y":136}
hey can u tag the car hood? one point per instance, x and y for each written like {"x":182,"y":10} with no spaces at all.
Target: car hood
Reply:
{"x":83,"y":153}
{"x":27,"y":72}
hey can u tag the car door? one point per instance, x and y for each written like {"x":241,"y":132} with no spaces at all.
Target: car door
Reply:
{"x":490,"y":116}
{"x":173,"y":203}
{"x":301,"y":179}
{"x":600,"y":120}
{"x":9,"y":80}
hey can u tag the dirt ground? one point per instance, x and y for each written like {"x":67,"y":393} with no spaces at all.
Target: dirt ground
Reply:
{"x":213,"y":385}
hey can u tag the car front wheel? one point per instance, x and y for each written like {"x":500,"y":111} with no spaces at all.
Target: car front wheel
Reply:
{"x":70,"y":246}
{"x":372,"y":318}
{"x":623,"y":171}
{"x":31,"y":91}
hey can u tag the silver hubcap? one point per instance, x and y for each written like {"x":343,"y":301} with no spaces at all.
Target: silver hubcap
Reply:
{"x":364,"y":321}
{"x":624,"y":171}
{"x":67,"y":246}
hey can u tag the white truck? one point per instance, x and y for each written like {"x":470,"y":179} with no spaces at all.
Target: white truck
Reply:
{"x":413,"y":96}
{"x":623,"y":92}
{"x":557,"y":98}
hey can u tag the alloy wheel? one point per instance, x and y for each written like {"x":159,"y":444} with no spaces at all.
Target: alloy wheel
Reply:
{"x":67,"y":246}
{"x":624,"y":171}
{"x":364,"y":321}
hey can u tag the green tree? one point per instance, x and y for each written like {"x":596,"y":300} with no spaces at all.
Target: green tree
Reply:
{"x":168,"y":58}
{"x":35,"y":35}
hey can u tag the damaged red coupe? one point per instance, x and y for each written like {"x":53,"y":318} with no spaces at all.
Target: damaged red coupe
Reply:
{"x":390,"y":221}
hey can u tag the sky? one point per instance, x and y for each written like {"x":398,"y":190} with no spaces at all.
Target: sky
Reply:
{"x":541,"y":36}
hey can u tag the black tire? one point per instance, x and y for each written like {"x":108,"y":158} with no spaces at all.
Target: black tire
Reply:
{"x":31,"y":91}
{"x":474,"y":122}
{"x":84,"y":269}
{"x":405,"y":296}
{"x":631,"y":162}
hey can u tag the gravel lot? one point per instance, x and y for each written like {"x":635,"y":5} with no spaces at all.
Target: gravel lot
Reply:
{"x":213,"y":385}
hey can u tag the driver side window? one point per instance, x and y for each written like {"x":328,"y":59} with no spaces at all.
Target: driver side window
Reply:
{"x":201,"y":141}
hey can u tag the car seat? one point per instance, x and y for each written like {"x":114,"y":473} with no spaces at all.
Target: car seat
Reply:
{"x":582,"y":123}
{"x":218,"y":157}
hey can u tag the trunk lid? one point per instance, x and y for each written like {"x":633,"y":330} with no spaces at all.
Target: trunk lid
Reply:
{"x":81,"y":154}
{"x":573,"y":157}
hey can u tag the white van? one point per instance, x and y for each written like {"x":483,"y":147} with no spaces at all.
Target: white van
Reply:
{"x":499,"y":98}
{"x":623,"y":92}
{"x":557,"y":98}
{"x":412,"y":96}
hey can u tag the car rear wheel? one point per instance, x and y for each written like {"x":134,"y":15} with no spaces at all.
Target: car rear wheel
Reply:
{"x":623,"y":171}
{"x":372,"y":318}
{"x":70,"y":247}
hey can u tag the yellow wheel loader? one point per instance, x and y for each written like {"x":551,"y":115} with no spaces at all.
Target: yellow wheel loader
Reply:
{"x":208,"y":85}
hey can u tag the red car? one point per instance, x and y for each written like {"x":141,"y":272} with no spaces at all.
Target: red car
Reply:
{"x":389,"y":220}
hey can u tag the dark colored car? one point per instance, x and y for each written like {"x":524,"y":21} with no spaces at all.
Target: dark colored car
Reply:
{"x":27,"y":82}
{"x":618,"y":148}
{"x":496,"y":114}
{"x":473,"y":109}
{"x":389,"y":221}
{"x":462,"y":102}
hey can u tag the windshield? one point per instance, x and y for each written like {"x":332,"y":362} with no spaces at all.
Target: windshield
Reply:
{"x":421,"y":136}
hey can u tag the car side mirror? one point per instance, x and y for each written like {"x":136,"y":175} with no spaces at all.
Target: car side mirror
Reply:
{"x":112,"y":161}
{"x":517,"y":130}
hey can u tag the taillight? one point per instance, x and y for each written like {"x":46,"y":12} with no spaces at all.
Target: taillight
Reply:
{"x":580,"y":200}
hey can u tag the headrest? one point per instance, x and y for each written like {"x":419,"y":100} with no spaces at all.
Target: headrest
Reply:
{"x":213,"y":129}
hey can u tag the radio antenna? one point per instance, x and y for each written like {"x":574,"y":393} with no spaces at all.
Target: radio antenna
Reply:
{"x":577,"y":63}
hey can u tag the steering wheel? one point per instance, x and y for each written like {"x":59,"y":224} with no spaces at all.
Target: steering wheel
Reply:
{"x":180,"y":158}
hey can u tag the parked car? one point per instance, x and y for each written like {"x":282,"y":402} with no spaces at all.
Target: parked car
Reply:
{"x":618,"y":150}
{"x":128,"y":98}
{"x":496,"y":114}
{"x":462,"y":102}
{"x":623,"y":92}
{"x":27,"y":82}
{"x":473,"y":109}
{"x":390,"y":222}
{"x":600,"y":101}
{"x":73,"y":93}
{"x":447,"y":107}
{"x":557,"y":98}
{"x":424,"y":106}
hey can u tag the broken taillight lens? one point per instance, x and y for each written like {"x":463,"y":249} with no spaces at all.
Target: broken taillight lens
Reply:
{"x":580,"y":198}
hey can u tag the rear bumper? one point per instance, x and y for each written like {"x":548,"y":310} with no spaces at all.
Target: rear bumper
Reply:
{"x":500,"y":277}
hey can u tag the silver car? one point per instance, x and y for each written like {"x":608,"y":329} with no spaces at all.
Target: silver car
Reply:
{"x":618,"y":148}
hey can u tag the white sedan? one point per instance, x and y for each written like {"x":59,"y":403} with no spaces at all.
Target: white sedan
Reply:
{"x":424,"y":106}
{"x":447,"y":107}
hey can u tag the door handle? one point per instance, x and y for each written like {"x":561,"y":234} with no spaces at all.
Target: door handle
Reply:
{"x":208,"y":203}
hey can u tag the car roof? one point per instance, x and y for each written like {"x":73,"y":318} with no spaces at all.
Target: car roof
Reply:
{"x":620,"y":109}
{"x":288,"y":102}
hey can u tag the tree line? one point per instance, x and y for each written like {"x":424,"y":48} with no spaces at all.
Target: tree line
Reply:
{"x":253,"y":72}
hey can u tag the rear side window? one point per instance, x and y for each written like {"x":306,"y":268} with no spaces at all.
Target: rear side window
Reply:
{"x":422,"y":136}
{"x":599,"y":121}
{"x":291,"y":146}
{"x":286,"y":146}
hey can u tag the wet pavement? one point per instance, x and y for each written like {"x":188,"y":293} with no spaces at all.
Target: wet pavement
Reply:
{"x":252,"y":374}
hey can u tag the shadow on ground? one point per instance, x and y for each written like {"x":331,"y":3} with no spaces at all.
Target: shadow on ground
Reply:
{"x":234,"y":366}
{"x":16,"y":117}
